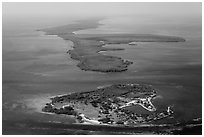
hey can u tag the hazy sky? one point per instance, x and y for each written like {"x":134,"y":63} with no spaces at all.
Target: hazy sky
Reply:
{"x":96,"y":9}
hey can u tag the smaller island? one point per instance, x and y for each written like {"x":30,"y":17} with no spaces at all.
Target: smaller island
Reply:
{"x":120,"y":104}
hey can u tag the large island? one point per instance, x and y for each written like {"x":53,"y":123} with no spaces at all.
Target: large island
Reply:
{"x":126,"y":108}
{"x":121,"y":104}
{"x":87,"y":46}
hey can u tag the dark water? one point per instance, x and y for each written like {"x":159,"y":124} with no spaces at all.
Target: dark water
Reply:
{"x":36,"y":66}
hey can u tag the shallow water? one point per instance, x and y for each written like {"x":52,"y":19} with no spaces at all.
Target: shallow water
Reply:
{"x":36,"y":67}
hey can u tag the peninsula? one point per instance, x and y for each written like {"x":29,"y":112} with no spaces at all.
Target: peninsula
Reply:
{"x":87,"y":47}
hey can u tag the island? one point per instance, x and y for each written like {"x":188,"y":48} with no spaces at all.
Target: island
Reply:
{"x":119,"y":104}
{"x":87,"y":47}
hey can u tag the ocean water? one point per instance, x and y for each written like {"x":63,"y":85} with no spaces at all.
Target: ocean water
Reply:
{"x":36,"y":67}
